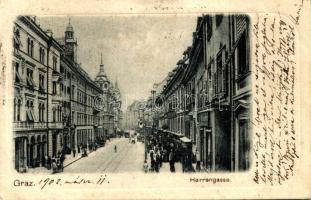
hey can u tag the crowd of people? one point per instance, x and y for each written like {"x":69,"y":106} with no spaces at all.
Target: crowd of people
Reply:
{"x":157,"y":153}
{"x":162,"y":149}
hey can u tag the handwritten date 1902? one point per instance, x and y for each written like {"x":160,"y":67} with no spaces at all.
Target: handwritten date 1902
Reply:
{"x":43,"y":183}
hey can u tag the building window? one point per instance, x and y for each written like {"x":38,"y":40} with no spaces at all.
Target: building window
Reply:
{"x":219,"y":73}
{"x":29,"y":111}
{"x":19,"y":104}
{"x":218,"y":19}
{"x":17,"y":42}
{"x":41,"y":112}
{"x":17,"y":75}
{"x":242,"y":56}
{"x":30,"y":47}
{"x":54,"y":87}
{"x":61,"y":69}
{"x":39,"y":108}
{"x":72,"y":117}
{"x":61,"y":88}
{"x":54,"y":115}
{"x":41,"y":83}
{"x":209,"y":82}
{"x":68,"y":90}
{"x":68,"y":75}
{"x":221,"y":87}
{"x":42,"y":55}
{"x":17,"y":110}
{"x":54,"y":63}
{"x":30,"y":82}
{"x":73,"y":92}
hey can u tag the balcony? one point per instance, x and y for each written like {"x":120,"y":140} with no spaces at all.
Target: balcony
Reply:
{"x":56,"y":125}
{"x":24,"y":126}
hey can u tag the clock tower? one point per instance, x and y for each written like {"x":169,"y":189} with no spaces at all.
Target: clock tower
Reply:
{"x":70,"y":43}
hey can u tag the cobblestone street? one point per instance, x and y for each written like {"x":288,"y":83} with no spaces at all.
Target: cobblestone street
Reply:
{"x":128,"y":158}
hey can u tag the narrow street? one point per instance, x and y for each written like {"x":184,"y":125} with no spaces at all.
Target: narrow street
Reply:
{"x":128,"y":158}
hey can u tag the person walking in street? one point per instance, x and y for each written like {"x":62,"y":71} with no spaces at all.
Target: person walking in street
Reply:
{"x":152,"y":160}
{"x":171,"y":161}
{"x":157,"y":162}
{"x":145,"y":166}
{"x":115,"y":148}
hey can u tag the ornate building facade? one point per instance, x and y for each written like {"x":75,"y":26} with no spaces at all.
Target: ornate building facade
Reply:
{"x":111,"y":112}
{"x":57,"y":106}
{"x":207,"y":95}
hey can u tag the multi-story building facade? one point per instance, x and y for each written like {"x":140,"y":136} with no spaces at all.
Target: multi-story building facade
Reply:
{"x":35,"y":55}
{"x":56,"y":103}
{"x":80,"y":115}
{"x":207,"y":95}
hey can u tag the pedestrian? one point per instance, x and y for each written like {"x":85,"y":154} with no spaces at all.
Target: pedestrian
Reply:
{"x":74,"y":152}
{"x":152,"y":160}
{"x":157,"y":163}
{"x":183,"y":163}
{"x":145,"y":166}
{"x":171,"y":161}
{"x":160,"y":158}
{"x":198,"y":161}
{"x":62,"y":159}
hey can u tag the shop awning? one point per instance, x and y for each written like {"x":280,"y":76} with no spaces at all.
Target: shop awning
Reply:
{"x":185,"y":140}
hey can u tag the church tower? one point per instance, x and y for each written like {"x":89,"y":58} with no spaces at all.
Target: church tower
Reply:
{"x":70,"y":43}
{"x":101,"y":78}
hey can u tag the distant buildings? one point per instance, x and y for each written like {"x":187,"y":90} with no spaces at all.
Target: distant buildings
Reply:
{"x":206,"y":97}
{"x":134,"y":114}
{"x":56,"y":104}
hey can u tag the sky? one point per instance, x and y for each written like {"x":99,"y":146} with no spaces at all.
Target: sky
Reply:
{"x":138,"y":51}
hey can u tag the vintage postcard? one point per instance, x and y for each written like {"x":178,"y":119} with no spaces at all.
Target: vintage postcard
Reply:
{"x":155,"y":100}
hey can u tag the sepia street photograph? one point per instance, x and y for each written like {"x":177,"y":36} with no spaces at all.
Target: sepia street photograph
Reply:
{"x":140,"y":93}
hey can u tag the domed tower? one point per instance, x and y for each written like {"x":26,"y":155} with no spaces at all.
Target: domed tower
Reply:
{"x":101,"y":78}
{"x":70,"y":43}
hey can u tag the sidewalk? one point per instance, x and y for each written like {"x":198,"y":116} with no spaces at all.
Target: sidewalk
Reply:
{"x":69,"y":159}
